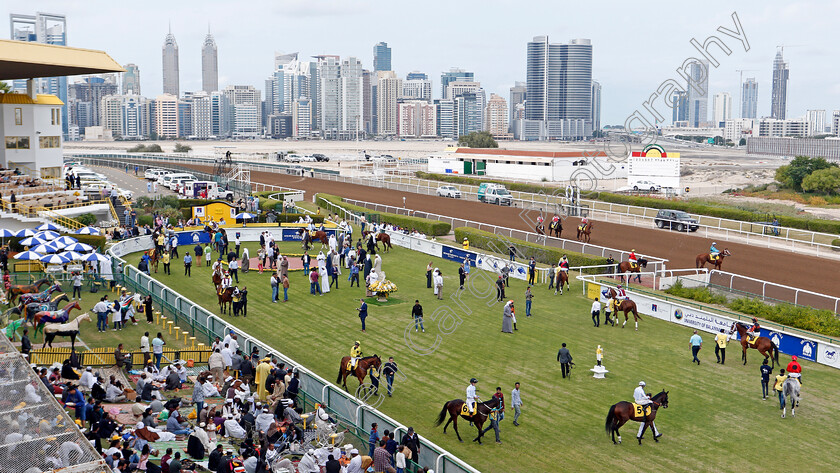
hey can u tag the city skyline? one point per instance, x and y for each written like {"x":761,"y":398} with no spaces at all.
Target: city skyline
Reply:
{"x":498,"y":61}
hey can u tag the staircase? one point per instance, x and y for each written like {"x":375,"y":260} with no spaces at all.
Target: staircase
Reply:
{"x":119,"y":209}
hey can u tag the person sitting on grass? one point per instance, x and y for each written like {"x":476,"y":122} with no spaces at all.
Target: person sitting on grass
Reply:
{"x":115,"y":393}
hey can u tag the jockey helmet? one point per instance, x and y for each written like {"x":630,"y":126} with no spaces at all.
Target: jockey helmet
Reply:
{"x":755,"y":320}
{"x":793,"y":358}
{"x":642,"y":383}
{"x":619,"y":286}
{"x":473,"y":380}
{"x":633,"y":250}
{"x":357,"y":342}
{"x":714,"y":243}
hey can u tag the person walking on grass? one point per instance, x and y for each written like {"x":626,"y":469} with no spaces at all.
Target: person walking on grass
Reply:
{"x":314,"y":287}
{"x":778,"y":387}
{"x":275,"y":287}
{"x":164,"y":258}
{"x":596,"y":313}
{"x":187,"y":264}
{"x":438,"y":280}
{"x":528,"y":297}
{"x":565,"y":359}
{"x":516,"y":402}
{"x":417,"y":313}
{"x":462,"y":275}
{"x":363,"y":313}
{"x":233,"y":268}
{"x":696,"y":344}
{"x":429,"y":275}
{"x":721,"y":340}
{"x":284,"y":280}
{"x":765,"y":370}
{"x":77,"y":285}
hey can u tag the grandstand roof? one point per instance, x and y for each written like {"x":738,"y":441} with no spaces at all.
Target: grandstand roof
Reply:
{"x":24,"y":60}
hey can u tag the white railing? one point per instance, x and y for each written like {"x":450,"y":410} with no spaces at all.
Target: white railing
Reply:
{"x":774,"y":291}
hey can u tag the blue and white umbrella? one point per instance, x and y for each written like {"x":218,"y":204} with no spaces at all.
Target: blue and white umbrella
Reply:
{"x":44,"y":249}
{"x":46,"y":226}
{"x":88,"y":231}
{"x":47,"y":235}
{"x":244,"y":216}
{"x":32,"y":241}
{"x":95,"y":257}
{"x":6,"y":233}
{"x":66,"y":240}
{"x":72,"y":255}
{"x":80,"y":247}
{"x":54,"y":259}
{"x":26,"y":232}
{"x":28,"y":255}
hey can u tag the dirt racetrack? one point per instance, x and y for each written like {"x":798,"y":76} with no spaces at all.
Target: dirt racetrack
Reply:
{"x":800,"y":271}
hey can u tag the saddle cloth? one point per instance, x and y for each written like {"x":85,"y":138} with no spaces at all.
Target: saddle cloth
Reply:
{"x":581,"y":227}
{"x":465,"y":410}
{"x":351,"y":365}
{"x":751,"y":339}
{"x":640,"y":410}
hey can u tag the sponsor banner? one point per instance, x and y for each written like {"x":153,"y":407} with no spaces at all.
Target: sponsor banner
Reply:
{"x":828,"y":354}
{"x":426,"y":246}
{"x":650,"y":306}
{"x":495,"y":264}
{"x":699,"y":319}
{"x":191,"y":238}
{"x":400,"y":239}
{"x":793,"y":345}
{"x":131,"y":246}
{"x":455,"y":254}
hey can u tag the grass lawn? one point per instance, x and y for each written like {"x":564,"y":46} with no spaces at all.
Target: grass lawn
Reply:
{"x":716,"y":422}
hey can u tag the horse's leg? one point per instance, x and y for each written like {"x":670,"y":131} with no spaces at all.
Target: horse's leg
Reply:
{"x":447,"y":424}
{"x":644,"y":429}
{"x":454,"y":420}
{"x":744,"y":354}
{"x":626,"y":318}
{"x":478,"y":425}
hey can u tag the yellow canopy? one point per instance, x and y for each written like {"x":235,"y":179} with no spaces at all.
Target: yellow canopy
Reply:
{"x":24,"y":60}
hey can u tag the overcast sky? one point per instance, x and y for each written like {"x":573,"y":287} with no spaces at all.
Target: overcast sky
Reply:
{"x":636,"y":47}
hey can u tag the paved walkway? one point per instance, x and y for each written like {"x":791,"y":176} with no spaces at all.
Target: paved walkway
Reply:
{"x":128,"y":181}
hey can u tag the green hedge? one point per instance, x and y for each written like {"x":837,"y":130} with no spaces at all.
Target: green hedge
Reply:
{"x":542,"y":254}
{"x":805,"y":318}
{"x":720,"y":211}
{"x":423,"y":225}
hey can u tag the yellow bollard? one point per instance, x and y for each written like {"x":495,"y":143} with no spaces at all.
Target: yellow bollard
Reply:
{"x":177,"y":331}
{"x":185,"y":334}
{"x":157,"y":317}
{"x":192,"y":343}
{"x":169,"y":325}
{"x":304,"y":417}
{"x":116,"y":288}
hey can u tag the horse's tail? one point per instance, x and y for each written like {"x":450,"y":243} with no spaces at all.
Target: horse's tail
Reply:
{"x":775,"y":351}
{"x":442,"y":414}
{"x":340,"y":371}
{"x":610,"y":420}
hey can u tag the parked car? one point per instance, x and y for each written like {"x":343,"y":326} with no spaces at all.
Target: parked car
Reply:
{"x":494,"y":194}
{"x":292,"y":158}
{"x":449,"y":191}
{"x":152,"y":174}
{"x":647,"y":185}
{"x":676,"y":220}
{"x":320,"y":158}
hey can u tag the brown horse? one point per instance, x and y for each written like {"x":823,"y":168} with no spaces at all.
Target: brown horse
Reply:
{"x":702,"y":259}
{"x":363,"y":365}
{"x":764,"y":345}
{"x":540,"y":229}
{"x":385,"y":239}
{"x":41,"y":318}
{"x":623,"y":411}
{"x":217,"y":277}
{"x":225,"y":299}
{"x":627,"y":306}
{"x":154,"y":258}
{"x":307,"y":238}
{"x":18,"y":289}
{"x":555,"y":228}
{"x":455,"y":408}
{"x":584,"y":232}
{"x":626,"y":267}
{"x":562,"y":277}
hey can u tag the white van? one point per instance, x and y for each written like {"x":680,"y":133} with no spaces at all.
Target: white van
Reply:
{"x":152,"y":174}
{"x":168,"y":178}
{"x":160,"y":175}
{"x":88,"y":175}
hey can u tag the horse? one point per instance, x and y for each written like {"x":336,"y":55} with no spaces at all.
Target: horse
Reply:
{"x":34,"y":307}
{"x":360,"y":371}
{"x":627,"y":306}
{"x":790,"y":390}
{"x":623,"y":411}
{"x":18,"y":289}
{"x":225,"y":299}
{"x":584,"y":232}
{"x":702,"y":259}
{"x":540,"y":229}
{"x":26,"y":299}
{"x":555,"y":227}
{"x":41,"y":318}
{"x":626,"y":267}
{"x":764,"y":345}
{"x":217,"y":277}
{"x":12,"y":328}
{"x":70,"y":329}
{"x":154,"y":258}
{"x":455,"y":408}
{"x":308,"y":238}
{"x":562,"y":277}
{"x":386,"y":241}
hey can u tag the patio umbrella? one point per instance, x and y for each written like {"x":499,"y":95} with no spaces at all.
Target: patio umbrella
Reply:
{"x":28,"y":232}
{"x":46,"y":226}
{"x":6,"y":234}
{"x":244,"y":216}
{"x":80,"y":247}
{"x":44,"y":249}
{"x":28,"y":255}
{"x":72,"y":255}
{"x":54,"y":259}
{"x":88,"y":231}
{"x":66,"y":240}
{"x":32,"y":241}
{"x":95,"y":257}
{"x":47,"y":235}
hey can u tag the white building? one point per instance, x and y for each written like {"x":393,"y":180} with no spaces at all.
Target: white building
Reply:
{"x":817,"y":120}
{"x":110,"y":111}
{"x":496,"y":116}
{"x":166,"y":116}
{"x":417,"y":119}
{"x":31,"y":131}
{"x":301,"y":118}
{"x":388,"y":90}
{"x":245,"y":103}
{"x":794,"y":127}
{"x":352,"y":121}
{"x":417,"y":89}
{"x":736,"y":128}
{"x":202,"y":115}
{"x":329,"y":101}
{"x":220,"y":113}
{"x":134,"y":125}
{"x":721,"y":108}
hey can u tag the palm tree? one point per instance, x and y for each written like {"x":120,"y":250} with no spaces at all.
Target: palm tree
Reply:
{"x":5,"y":88}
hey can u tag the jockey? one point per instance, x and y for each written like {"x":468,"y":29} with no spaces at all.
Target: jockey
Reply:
{"x":619,"y":292}
{"x":563,"y":264}
{"x":713,"y":251}
{"x":634,"y":262}
{"x":472,"y":397}
{"x":641,"y":398}
{"x":794,"y":369}
{"x":584,"y":221}
{"x":539,"y":220}
{"x":754,"y":329}
{"x":355,"y":353}
{"x":217,"y":265}
{"x":310,"y":227}
{"x":555,"y":219}
{"x":226,"y":282}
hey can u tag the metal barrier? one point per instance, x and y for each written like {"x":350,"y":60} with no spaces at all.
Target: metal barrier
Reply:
{"x":772,"y":291}
{"x":313,"y":387}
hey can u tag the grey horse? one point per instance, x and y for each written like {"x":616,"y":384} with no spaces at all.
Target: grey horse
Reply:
{"x":790,"y":389}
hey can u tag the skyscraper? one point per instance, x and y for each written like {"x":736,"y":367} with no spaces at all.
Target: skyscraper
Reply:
{"x":420,"y":89}
{"x":416,"y":75}
{"x":679,"y":103}
{"x":517,"y":97}
{"x":596,"y":105}
{"x":381,"y":57}
{"x":496,"y":115}
{"x":131,"y":79}
{"x":92,"y":89}
{"x":817,"y":120}
{"x":352,"y":119}
{"x":170,"y":66}
{"x":330,"y":99}
{"x":698,"y":93}
{"x":43,"y":28}
{"x":166,"y":116}
{"x":209,"y":64}
{"x":778,"y":98}
{"x":721,"y":109}
{"x":749,"y":98}
{"x":559,"y":84}
{"x":451,"y":76}
{"x":202,"y":116}
{"x":246,"y":120}
{"x":388,"y":90}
